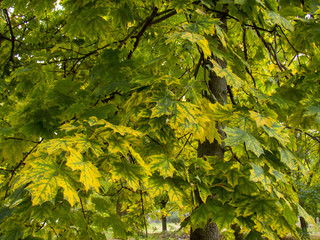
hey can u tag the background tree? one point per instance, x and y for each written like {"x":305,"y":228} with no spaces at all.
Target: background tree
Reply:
{"x":105,"y":105}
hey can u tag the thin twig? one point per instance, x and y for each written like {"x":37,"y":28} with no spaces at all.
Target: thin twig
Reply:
{"x":244,"y":40}
{"x":20,"y":163}
{"x":184,"y":146}
{"x":316,"y":138}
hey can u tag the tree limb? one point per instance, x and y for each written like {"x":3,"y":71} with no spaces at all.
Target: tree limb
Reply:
{"x":12,"y":36}
{"x":148,"y":22}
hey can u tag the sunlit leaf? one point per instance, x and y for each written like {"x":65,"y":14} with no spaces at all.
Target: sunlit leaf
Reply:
{"x":236,"y":136}
{"x":89,"y":173}
{"x":162,"y":164}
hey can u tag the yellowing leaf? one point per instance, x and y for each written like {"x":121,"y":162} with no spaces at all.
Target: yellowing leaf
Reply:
{"x":123,"y":130}
{"x":287,"y":157}
{"x":204,"y":45}
{"x":257,"y":175}
{"x":162,"y":164}
{"x":175,"y":192}
{"x":140,"y":160}
{"x":278,"y":132}
{"x":89,"y":175}
{"x":84,"y":144}
{"x":305,"y":215}
{"x":232,"y":79}
{"x":236,"y":136}
{"x":192,"y":37}
{"x":46,"y":178}
{"x":260,"y":119}
{"x":204,"y":191}
{"x":222,"y":112}
{"x":277,"y":19}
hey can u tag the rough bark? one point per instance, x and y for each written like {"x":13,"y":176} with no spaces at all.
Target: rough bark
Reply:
{"x":237,"y":234}
{"x":164,"y":223}
{"x":218,"y":91}
{"x":218,"y":87}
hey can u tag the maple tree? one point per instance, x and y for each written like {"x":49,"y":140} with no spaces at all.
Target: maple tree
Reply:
{"x":108,"y":105}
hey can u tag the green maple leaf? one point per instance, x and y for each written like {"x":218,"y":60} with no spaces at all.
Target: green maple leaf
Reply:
{"x":156,"y":185}
{"x":225,"y":217}
{"x":102,"y":205}
{"x":118,"y":227}
{"x":277,"y":19}
{"x":258,"y":175}
{"x":277,"y":131}
{"x":162,"y":164}
{"x":199,"y":217}
{"x":175,"y":191}
{"x":42,"y":212}
{"x":13,"y":232}
{"x":287,"y":157}
{"x":89,"y":175}
{"x":236,"y":136}
{"x":131,"y":173}
{"x":204,"y":191}
{"x":254,"y":235}
{"x":264,"y":208}
{"x":233,"y":176}
{"x":204,"y":212}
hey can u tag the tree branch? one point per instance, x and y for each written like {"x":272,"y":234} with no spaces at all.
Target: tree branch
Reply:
{"x":148,"y":22}
{"x":12,"y":36}
{"x":16,"y":168}
{"x":244,"y":40}
{"x":172,"y":13}
{"x":316,"y":138}
{"x":231,"y":95}
{"x":183,"y":146}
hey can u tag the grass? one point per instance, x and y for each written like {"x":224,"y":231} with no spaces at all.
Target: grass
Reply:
{"x":155,"y":232}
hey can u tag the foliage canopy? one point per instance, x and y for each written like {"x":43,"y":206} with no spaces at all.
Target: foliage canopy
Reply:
{"x":103,"y":105}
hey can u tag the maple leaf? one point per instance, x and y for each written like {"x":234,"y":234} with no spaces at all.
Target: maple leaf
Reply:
{"x":46,"y":179}
{"x":89,"y":175}
{"x":162,"y":164}
{"x":237,"y":136}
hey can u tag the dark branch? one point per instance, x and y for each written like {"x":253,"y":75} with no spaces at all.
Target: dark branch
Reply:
{"x":172,"y":13}
{"x":148,"y":22}
{"x":316,"y":138}
{"x":184,"y":146}
{"x":231,"y":95}
{"x":12,"y":35}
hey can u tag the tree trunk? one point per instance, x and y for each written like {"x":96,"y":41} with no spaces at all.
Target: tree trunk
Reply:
{"x":237,"y":234}
{"x":218,"y":88}
{"x":303,"y":224}
{"x":217,"y":91}
{"x":164,"y":223}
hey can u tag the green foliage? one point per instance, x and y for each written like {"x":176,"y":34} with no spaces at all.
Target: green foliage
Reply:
{"x":105,"y":104}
